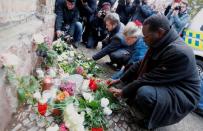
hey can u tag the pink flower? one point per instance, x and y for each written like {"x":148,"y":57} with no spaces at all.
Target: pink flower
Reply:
{"x":69,"y":86}
{"x":79,"y":70}
{"x":63,"y":127}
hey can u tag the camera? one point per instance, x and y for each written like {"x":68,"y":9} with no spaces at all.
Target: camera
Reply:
{"x":102,"y":13}
{"x":177,"y":8}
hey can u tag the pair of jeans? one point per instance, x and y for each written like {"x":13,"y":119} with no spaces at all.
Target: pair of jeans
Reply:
{"x":144,"y":101}
{"x":120,"y":57}
{"x":200,"y":105}
{"x":74,"y":30}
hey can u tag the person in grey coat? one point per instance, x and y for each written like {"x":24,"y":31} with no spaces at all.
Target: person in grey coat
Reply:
{"x":165,"y":86}
{"x":179,"y":17}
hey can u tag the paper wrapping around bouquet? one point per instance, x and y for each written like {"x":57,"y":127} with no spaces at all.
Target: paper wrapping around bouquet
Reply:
{"x":78,"y":80}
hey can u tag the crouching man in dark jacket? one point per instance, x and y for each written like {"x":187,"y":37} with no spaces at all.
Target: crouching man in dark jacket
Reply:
{"x":67,"y":24}
{"x":114,"y":45}
{"x":165,"y":85}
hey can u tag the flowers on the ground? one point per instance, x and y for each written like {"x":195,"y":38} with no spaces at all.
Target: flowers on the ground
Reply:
{"x":88,"y":96}
{"x":68,"y":86}
{"x":107,"y":111}
{"x":53,"y":128}
{"x":93,"y":85}
{"x":40,"y":73}
{"x":85,"y":86}
{"x":63,"y":127}
{"x":72,"y":119}
{"x":37,"y":95}
{"x":52,"y":72}
{"x":79,"y":70}
{"x":104,"y":102}
{"x":62,"y":95}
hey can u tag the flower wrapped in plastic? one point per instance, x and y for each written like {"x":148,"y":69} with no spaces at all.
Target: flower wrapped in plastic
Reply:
{"x":72,"y":119}
{"x":68,"y":86}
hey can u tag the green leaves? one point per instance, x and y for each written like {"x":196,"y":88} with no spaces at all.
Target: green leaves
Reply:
{"x":21,"y":95}
{"x":50,"y":60}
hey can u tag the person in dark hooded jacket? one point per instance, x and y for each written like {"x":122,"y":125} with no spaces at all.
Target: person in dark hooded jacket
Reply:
{"x":101,"y":2}
{"x":140,"y":10}
{"x":165,"y":86}
{"x":123,"y":9}
{"x":87,"y":10}
{"x":97,"y":31}
{"x":67,"y":21}
{"x":114,"y":42}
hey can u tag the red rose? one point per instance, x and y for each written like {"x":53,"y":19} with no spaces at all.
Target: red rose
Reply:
{"x":97,"y":129}
{"x":93,"y":85}
{"x":108,"y":82}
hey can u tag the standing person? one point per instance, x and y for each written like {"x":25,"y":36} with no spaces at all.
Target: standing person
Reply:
{"x":178,"y":16}
{"x":67,"y":23}
{"x":101,"y":2}
{"x":165,"y":85}
{"x":124,"y":10}
{"x":141,"y":10}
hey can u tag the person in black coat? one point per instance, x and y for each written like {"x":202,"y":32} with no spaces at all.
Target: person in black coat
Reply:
{"x":97,"y":31}
{"x":114,"y":45}
{"x":140,"y":10}
{"x":67,"y":23}
{"x":124,"y":10}
{"x":101,"y":2}
{"x":87,"y":9}
{"x":165,"y":86}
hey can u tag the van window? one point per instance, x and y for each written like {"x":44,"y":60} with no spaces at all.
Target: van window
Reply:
{"x":201,"y":28}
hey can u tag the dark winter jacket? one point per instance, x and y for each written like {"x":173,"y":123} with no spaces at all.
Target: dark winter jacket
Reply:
{"x":171,"y":69}
{"x":124,"y":11}
{"x":103,"y":1}
{"x":86,"y":10}
{"x":98,"y":28}
{"x":64,"y":16}
{"x":114,"y":42}
{"x":141,"y":12}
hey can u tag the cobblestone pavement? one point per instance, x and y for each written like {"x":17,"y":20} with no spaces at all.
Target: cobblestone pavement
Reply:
{"x":27,"y":120}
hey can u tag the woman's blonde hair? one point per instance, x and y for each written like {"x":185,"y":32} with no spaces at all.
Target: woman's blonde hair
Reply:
{"x":131,"y":30}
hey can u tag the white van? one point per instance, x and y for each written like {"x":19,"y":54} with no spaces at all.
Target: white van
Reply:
{"x":193,"y":36}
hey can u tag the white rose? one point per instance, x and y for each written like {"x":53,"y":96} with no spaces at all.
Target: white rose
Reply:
{"x":59,"y":58}
{"x":104,"y":102}
{"x":52,"y":73}
{"x":53,"y":128}
{"x":40,"y":73}
{"x":107,"y":111}
{"x":88,"y":96}
{"x":37,"y":95}
{"x":38,"y":38}
{"x":72,"y":54}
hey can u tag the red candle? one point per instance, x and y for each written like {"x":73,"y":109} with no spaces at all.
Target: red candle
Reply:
{"x":42,"y":108}
{"x":97,"y":129}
